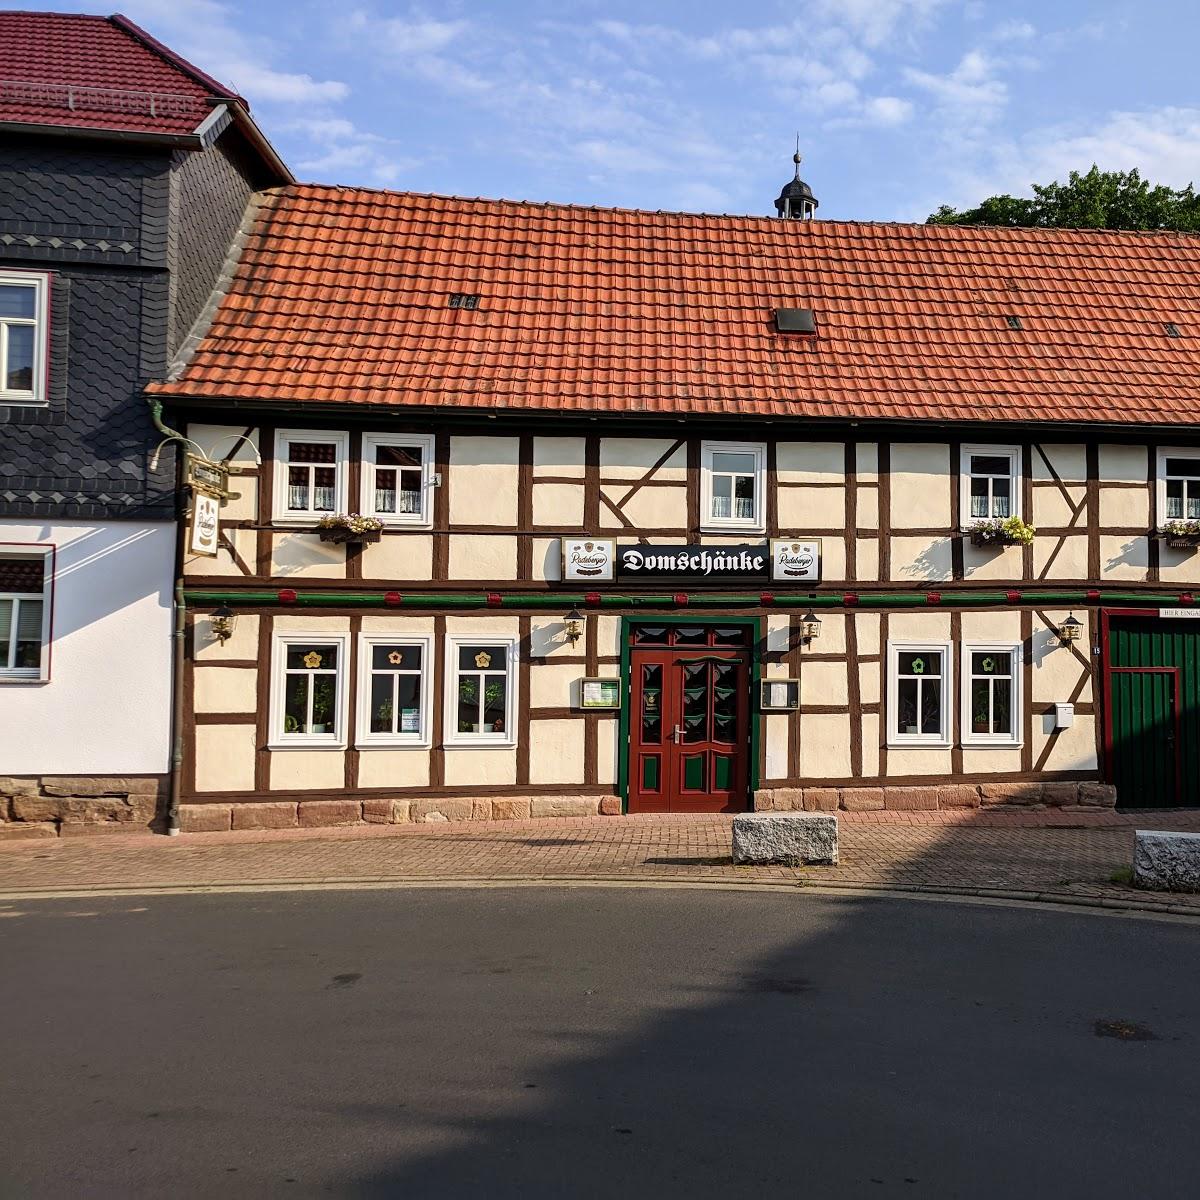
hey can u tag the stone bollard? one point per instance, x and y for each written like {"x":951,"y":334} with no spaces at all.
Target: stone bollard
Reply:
{"x":1166,"y":862}
{"x":786,"y":838}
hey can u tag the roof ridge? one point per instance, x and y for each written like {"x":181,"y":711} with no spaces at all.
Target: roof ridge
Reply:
{"x":151,"y":43}
{"x":773,"y":221}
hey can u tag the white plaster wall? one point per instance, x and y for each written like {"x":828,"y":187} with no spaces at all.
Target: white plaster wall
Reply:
{"x":631,"y":458}
{"x":225,"y":757}
{"x":106,"y":709}
{"x":824,"y":746}
{"x":483,"y":480}
{"x":306,"y":770}
{"x":810,"y":462}
{"x":921,"y":486}
{"x":399,"y":556}
{"x":775,"y":731}
{"x":802,"y":508}
{"x":1071,"y":562}
{"x":1069,"y":462}
{"x":1124,"y":507}
{"x":564,"y":456}
{"x":606,"y":753}
{"x":558,"y":504}
{"x":226,"y":689}
{"x":386,"y":768}
{"x":245,"y":542}
{"x":300,"y":555}
{"x":556,"y":751}
{"x":1051,"y":510}
{"x":467,"y":767}
{"x":1126,"y":463}
{"x":482,"y":556}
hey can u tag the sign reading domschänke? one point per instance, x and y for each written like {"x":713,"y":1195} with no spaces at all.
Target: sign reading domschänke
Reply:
{"x":783,"y":560}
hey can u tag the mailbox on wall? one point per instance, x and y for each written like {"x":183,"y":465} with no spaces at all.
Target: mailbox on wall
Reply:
{"x":779,"y":695}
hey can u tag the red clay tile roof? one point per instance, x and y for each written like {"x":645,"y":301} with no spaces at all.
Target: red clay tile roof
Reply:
{"x":341,"y":297}
{"x":97,"y":73}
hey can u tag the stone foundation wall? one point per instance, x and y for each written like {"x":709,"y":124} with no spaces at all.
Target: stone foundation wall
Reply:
{"x":316,"y":814}
{"x":936,"y":797}
{"x":49,"y":806}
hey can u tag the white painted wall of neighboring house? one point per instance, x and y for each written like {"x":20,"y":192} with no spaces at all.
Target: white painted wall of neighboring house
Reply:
{"x":106,"y":708}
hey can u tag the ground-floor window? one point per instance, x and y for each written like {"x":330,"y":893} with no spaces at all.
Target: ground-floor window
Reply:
{"x":394,"y":680}
{"x":480,"y":691}
{"x":918,"y":703}
{"x":991,"y":695}
{"x":308,"y":689}
{"x":24,"y":614}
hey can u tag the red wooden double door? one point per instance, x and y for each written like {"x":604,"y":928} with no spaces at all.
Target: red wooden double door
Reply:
{"x":689,"y":718}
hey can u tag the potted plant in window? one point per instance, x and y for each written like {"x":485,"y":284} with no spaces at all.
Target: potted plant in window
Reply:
{"x":349,"y":527}
{"x":1009,"y":531}
{"x":1182,"y":535}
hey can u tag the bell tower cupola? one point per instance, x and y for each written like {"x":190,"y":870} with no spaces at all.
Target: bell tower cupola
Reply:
{"x":796,"y":202}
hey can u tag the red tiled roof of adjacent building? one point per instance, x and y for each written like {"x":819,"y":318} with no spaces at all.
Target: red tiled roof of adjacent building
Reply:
{"x":97,"y":73}
{"x":342,"y":296}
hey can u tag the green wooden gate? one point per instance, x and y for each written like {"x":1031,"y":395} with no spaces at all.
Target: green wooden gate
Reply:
{"x":1152,"y":717}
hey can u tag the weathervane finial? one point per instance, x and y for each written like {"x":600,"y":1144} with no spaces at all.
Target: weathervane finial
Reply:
{"x":796,"y":156}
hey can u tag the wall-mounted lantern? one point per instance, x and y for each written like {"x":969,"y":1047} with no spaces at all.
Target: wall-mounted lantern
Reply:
{"x":573,"y":624}
{"x":810,"y":626}
{"x":1069,"y":631}
{"x":222,"y":622}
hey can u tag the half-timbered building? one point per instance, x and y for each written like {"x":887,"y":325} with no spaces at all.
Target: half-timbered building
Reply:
{"x":673,"y":512}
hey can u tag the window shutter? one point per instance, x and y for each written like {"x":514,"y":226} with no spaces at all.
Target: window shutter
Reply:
{"x":5,"y":629}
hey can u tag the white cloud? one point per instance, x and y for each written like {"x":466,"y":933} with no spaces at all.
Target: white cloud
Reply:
{"x":887,"y":110}
{"x":207,"y":33}
{"x":967,"y":93}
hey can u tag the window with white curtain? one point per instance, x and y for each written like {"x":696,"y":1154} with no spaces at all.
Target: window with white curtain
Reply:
{"x":310,"y":475}
{"x":733,"y":485}
{"x":398,"y":476}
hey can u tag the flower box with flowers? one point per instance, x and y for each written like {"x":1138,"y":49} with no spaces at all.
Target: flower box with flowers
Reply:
{"x":350,"y":528}
{"x":1181,"y":535}
{"x":1011,"y":531}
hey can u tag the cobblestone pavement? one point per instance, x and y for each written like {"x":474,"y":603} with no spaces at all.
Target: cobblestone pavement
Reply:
{"x":1069,"y":857}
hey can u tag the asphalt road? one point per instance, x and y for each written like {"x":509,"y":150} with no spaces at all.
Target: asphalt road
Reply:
{"x":593,"y":1043}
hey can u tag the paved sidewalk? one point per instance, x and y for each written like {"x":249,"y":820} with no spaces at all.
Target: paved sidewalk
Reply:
{"x":1067,"y":857}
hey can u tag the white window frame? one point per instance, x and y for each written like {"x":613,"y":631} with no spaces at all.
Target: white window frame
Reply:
{"x":364,"y":736}
{"x":40,"y":321}
{"x":370,"y":442}
{"x":507,"y":738}
{"x":1013,"y":454}
{"x":337,"y":740}
{"x":967,"y":736}
{"x":941,"y":739}
{"x":340,"y":440}
{"x":42,"y":673}
{"x":711,"y":524}
{"x":1160,"y":494}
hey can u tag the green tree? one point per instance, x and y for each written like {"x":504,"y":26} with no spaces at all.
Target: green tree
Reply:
{"x":1097,"y":200}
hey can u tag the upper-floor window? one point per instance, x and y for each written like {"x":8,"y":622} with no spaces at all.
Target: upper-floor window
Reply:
{"x":991,"y":483}
{"x":24,"y":614}
{"x":310,"y":474}
{"x":733,"y":485}
{"x":1178,"y":485}
{"x":397,"y":478}
{"x":23,"y":336}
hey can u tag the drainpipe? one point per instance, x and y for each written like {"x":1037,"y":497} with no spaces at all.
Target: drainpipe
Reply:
{"x":177,"y":648}
{"x":177,"y":637}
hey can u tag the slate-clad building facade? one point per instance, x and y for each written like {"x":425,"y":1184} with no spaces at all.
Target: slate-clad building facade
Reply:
{"x":124,"y":176}
{"x":672,"y":512}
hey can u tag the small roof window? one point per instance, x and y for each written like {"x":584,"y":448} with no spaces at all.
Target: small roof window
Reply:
{"x":1171,"y":329}
{"x":464,"y":300}
{"x":1014,"y":322}
{"x":795,"y":320}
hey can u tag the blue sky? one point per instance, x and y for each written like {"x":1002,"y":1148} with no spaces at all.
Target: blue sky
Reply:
{"x":901,"y":105}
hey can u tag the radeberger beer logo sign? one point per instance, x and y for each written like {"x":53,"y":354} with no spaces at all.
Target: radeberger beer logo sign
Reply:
{"x":588,"y":559}
{"x":600,"y":560}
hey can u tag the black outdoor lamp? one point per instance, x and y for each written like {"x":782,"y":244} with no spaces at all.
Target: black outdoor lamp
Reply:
{"x":222,"y":622}
{"x":810,"y":626}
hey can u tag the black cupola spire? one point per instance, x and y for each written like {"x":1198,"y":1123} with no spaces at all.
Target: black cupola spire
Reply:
{"x":796,"y":201}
